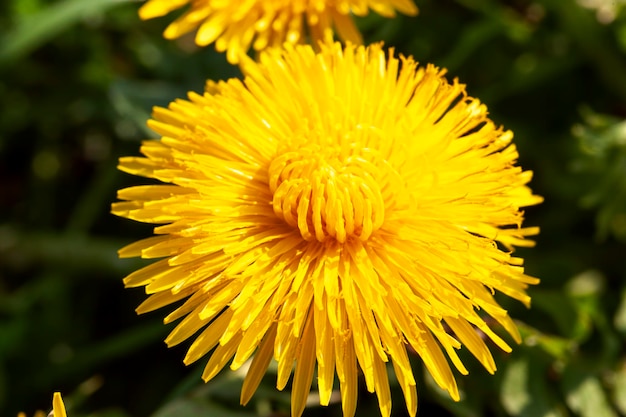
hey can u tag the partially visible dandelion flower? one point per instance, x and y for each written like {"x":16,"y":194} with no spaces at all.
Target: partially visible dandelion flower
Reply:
{"x":333,"y":208}
{"x":234,"y":26}
{"x":58,"y":408}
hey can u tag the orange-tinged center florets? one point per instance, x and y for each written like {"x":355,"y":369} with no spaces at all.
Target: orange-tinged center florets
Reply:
{"x":330,"y":192}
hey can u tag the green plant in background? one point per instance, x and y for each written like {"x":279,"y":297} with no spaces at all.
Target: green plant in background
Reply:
{"x":603,"y":162}
{"x":78,"y":80}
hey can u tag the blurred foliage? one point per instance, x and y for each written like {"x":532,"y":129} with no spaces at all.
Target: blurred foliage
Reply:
{"x":77,"y":83}
{"x":603,"y":162}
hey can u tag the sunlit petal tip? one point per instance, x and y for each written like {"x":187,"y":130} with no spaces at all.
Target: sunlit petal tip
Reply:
{"x":58,"y":408}
{"x":150,"y":10}
{"x":408,"y":8}
{"x":332,"y":211}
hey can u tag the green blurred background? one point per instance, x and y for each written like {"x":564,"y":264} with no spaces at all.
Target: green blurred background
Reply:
{"x":78,"y":79}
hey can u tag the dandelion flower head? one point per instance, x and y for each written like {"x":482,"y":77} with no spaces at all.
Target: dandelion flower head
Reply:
{"x":339,"y":210}
{"x":234,"y":26}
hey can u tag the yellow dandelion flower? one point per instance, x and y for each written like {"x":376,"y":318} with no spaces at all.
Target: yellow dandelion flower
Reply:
{"x":236,"y":25}
{"x":331,"y":210}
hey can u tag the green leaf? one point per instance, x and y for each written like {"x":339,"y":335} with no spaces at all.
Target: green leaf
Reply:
{"x":194,"y":407}
{"x":585,"y":395}
{"x":602,"y":160}
{"x":557,"y":347}
{"x":37,"y":29}
{"x":570,"y":321}
{"x":133,"y":100}
{"x":514,"y":395}
{"x":592,"y":40}
{"x":474,"y":36}
{"x":524,"y":391}
{"x":619,"y":321}
{"x":586,"y":290}
{"x":619,"y":389}
{"x":590,"y":283}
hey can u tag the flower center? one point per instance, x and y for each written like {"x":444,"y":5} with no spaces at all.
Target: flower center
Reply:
{"x":328,"y":193}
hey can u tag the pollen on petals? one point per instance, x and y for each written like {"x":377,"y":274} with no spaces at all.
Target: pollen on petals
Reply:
{"x":337,"y":212}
